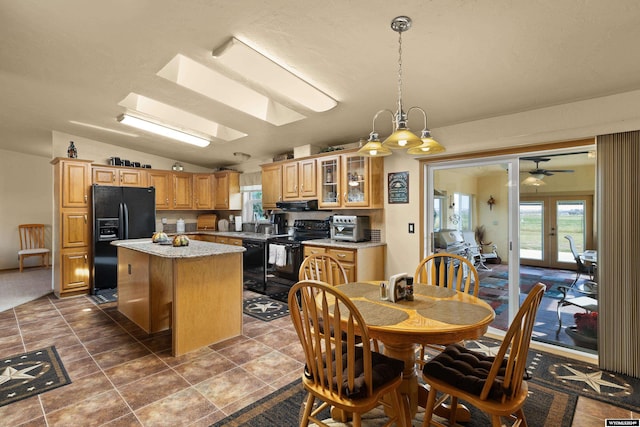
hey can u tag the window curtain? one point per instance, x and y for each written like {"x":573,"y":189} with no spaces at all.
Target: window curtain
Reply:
{"x":250,"y":181}
{"x":618,"y":186}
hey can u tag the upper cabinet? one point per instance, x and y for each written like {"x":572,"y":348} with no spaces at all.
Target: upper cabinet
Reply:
{"x":350,"y":181}
{"x":227,"y":191}
{"x":182,"y":190}
{"x":126,"y":177}
{"x":203,"y":190}
{"x":75,"y":181}
{"x":338,"y":181}
{"x":162,"y":181}
{"x":299,"y":180}
{"x":271,"y":185}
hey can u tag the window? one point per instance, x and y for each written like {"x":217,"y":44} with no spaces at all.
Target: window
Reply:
{"x":462,"y":209}
{"x":251,"y":203}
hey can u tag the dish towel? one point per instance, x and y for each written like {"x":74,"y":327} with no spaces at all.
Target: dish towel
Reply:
{"x":277,"y":255}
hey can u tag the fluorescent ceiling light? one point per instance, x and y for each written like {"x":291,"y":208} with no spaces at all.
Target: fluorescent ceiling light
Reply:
{"x":214,"y":85}
{"x":162,"y":130}
{"x":133,"y":135}
{"x":257,"y":67}
{"x":165,"y":113}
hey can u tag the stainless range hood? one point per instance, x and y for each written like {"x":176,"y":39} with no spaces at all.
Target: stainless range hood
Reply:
{"x":299,"y":205}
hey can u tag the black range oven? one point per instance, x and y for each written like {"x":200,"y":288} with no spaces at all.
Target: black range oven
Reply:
{"x":285,"y":254}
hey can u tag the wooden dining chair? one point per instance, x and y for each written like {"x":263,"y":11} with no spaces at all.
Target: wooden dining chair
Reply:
{"x":494,"y":385}
{"x":338,"y":371}
{"x":449,"y":271}
{"x":323,"y":267}
{"x":32,"y":244}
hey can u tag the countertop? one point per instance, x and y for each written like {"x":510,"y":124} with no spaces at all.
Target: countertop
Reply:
{"x":342,"y":244}
{"x":238,"y":234}
{"x":195,"y":249}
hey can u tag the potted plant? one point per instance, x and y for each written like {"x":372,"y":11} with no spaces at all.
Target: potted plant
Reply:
{"x":585,"y":332}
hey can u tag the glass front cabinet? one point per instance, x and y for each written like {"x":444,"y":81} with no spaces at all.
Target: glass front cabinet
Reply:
{"x":350,"y":181}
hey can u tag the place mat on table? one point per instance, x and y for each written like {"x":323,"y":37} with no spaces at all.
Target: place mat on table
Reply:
{"x":455,"y":312}
{"x":379,"y":315}
{"x":433,"y":291}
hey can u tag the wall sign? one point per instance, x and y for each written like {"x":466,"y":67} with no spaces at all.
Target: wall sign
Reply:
{"x":398,"y":183}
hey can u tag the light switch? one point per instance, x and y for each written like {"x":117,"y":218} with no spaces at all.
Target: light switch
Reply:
{"x":412,"y":228}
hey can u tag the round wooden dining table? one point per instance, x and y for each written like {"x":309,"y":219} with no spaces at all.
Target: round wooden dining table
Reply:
{"x":437,"y":315}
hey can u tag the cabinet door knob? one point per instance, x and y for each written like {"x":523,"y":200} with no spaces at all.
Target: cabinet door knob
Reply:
{"x":85,"y":219}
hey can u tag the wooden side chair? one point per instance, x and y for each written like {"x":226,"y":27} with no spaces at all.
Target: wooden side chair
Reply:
{"x":323,"y":267}
{"x":339,"y":372}
{"x":449,"y":271}
{"x":494,"y":385}
{"x":32,"y":244}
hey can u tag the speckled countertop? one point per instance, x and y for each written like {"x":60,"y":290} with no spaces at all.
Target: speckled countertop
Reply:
{"x":342,"y":244}
{"x":195,"y":249}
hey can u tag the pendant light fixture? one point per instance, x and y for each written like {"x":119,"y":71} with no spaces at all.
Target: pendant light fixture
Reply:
{"x":402,"y":137}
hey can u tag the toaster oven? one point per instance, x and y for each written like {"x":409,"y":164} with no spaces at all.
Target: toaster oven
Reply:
{"x":350,"y":228}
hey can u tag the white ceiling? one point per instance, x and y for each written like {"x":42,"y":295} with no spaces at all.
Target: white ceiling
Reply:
{"x":463,"y":60}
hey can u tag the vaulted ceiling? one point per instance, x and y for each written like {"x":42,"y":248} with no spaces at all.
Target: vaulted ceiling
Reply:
{"x":68,"y":65}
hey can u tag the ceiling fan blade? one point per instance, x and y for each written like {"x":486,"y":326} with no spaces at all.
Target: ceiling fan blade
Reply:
{"x":560,"y":170}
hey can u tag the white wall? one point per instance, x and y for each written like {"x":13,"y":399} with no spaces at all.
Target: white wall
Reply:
{"x":26,"y":197}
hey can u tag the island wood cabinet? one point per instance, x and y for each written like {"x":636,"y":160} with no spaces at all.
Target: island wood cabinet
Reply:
{"x":227,"y":192}
{"x":360,"y":264}
{"x":72,"y":226}
{"x":299,"y":179}
{"x":271,"y":185}
{"x":125,"y":177}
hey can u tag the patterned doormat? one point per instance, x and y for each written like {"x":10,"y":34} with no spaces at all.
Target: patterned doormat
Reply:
{"x":27,"y":374}
{"x":104,"y":296}
{"x":264,"y":308}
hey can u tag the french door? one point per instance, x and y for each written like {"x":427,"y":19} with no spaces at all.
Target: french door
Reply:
{"x":544,"y":223}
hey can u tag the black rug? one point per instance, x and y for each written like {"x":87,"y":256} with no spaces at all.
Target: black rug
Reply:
{"x":554,"y":388}
{"x":27,"y":374}
{"x":273,"y":289}
{"x":104,"y":296}
{"x":265,"y":308}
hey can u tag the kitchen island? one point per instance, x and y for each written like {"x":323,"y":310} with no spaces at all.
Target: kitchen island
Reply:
{"x":195,"y":290}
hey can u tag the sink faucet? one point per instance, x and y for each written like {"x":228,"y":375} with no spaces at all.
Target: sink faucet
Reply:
{"x":256,"y":222}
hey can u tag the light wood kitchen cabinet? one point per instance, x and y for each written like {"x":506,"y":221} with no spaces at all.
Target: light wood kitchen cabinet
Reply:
{"x":125,"y":177}
{"x":360,"y":264}
{"x":271,"y":185}
{"x":227,"y":193}
{"x":299,"y":179}
{"x":351,"y":181}
{"x":228,"y":240}
{"x":182,"y":190}
{"x":203,"y":190}
{"x":162,"y":182}
{"x":72,"y":226}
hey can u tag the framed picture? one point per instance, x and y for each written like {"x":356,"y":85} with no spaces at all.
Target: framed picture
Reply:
{"x":398,"y":183}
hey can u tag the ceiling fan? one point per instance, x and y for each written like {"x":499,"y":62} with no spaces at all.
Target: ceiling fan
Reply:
{"x":540,"y":173}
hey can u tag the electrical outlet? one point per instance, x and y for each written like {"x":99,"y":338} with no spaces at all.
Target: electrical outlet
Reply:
{"x":412,"y":228}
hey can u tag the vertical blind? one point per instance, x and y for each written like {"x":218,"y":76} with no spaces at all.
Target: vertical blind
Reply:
{"x":618,"y":183}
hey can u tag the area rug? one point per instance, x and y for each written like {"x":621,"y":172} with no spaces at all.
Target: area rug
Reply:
{"x":27,"y":374}
{"x":555,"y":385}
{"x":265,"y":308}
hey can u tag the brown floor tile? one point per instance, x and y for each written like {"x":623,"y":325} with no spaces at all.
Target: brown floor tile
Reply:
{"x":129,"y":420}
{"x":8,"y":344}
{"x":239,"y":340}
{"x":223,"y":390}
{"x":198,"y":370}
{"x":110,"y":342}
{"x":170,"y":411}
{"x":79,"y":368}
{"x":21,"y":411}
{"x":93,"y":411}
{"x":278,"y":339}
{"x":60,"y":343}
{"x":152,"y":388}
{"x":46,"y":332}
{"x":255,"y":329}
{"x":68,"y":354}
{"x":110,"y":329}
{"x":599,"y":410}
{"x":272,"y":366}
{"x":9,"y":330}
{"x":121,"y":354}
{"x":81,"y":388}
{"x":252,"y":397}
{"x":170,"y":360}
{"x":157,"y":343}
{"x":294,"y":351}
{"x":248,"y":351}
{"x":134,"y":370}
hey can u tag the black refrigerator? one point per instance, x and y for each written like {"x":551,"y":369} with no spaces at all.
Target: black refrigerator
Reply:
{"x":118,"y":213}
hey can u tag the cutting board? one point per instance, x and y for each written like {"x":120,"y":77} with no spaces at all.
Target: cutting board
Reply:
{"x":207,"y":222}
{"x":223,"y":225}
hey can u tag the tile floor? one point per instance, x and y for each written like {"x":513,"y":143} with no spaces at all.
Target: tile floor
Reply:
{"x":124,"y":377}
